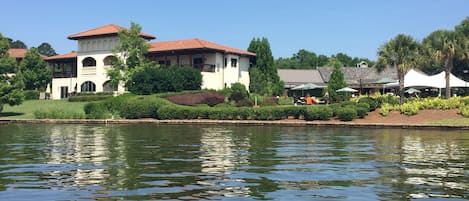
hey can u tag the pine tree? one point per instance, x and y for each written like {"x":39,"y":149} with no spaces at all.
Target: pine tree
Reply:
{"x":263,"y":74}
{"x":337,"y":80}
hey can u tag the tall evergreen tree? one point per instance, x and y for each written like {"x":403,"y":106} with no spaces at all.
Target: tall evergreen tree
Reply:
{"x":263,"y":74}
{"x":10,"y":83}
{"x":36,"y":75}
{"x":337,"y":80}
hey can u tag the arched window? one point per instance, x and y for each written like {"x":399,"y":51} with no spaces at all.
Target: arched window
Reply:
{"x":109,"y":60}
{"x":89,"y":61}
{"x":108,"y":88}
{"x":88,"y":86}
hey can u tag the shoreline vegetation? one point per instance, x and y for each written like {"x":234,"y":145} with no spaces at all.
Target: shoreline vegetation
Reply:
{"x":366,"y":111}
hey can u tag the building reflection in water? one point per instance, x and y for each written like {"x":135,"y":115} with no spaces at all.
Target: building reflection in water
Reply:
{"x":436,"y":163}
{"x":84,"y":149}
{"x":221,"y":154}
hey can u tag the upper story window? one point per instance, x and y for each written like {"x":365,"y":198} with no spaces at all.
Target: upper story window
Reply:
{"x":226,"y":62}
{"x":164,"y":63}
{"x":89,"y":62}
{"x":198,"y":62}
{"x":234,"y":62}
{"x":109,"y":60}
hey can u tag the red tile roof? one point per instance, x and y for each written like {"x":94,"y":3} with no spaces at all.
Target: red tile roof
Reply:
{"x":17,"y":53}
{"x":110,"y":29}
{"x":70,"y":55}
{"x":194,"y":44}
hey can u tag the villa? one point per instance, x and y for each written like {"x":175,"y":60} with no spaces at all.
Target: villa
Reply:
{"x":86,"y":69}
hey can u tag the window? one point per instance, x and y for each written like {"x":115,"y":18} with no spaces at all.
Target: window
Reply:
{"x":164,"y":63}
{"x":88,"y":62}
{"x":226,"y":62}
{"x":109,"y":60}
{"x":198,"y":63}
{"x":234,"y":62}
{"x":88,"y":86}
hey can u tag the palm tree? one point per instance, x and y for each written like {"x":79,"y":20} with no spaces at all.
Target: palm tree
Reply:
{"x":402,"y":53}
{"x":446,"y":46}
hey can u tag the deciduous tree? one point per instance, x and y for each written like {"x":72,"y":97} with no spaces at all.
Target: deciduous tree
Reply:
{"x":10,"y":81}
{"x":36,"y":75}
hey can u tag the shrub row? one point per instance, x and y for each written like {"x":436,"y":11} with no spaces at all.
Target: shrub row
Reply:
{"x":89,"y":97}
{"x":210,"y":99}
{"x":412,"y":106}
{"x":58,"y":114}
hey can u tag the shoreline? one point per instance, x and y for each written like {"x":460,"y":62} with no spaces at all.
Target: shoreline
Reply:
{"x":350,"y":124}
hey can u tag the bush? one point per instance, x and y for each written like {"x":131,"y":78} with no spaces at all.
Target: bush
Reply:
{"x":409,"y":109}
{"x":238,"y":92}
{"x":318,"y":113}
{"x":31,"y":94}
{"x":362,"y":110}
{"x":193,"y":99}
{"x":244,"y":103}
{"x":139,"y":108}
{"x":57,"y":114}
{"x":96,"y":110}
{"x":372,"y":103}
{"x":269,"y":101}
{"x":347,"y":113}
{"x":464,"y":111}
{"x":295,"y":111}
{"x":151,"y":79}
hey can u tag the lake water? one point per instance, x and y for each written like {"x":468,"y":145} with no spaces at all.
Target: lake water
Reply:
{"x":182,"y":162}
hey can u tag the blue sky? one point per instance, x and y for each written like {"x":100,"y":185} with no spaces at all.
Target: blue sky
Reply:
{"x":354,"y":27}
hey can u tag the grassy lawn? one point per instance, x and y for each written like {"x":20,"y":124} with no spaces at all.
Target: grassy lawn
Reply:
{"x":26,"y":110}
{"x":454,"y":122}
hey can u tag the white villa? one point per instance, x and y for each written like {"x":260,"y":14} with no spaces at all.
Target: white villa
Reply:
{"x":85,"y":70}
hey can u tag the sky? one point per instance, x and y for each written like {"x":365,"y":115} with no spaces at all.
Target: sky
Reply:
{"x":354,"y":27}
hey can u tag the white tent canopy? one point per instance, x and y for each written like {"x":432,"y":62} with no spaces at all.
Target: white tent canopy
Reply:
{"x":414,"y":78}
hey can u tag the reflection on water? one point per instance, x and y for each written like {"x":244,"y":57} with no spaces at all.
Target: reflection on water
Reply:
{"x":154,"y":162}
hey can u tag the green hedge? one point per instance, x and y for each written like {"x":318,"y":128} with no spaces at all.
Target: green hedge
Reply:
{"x":318,"y":113}
{"x":89,"y":97}
{"x":347,"y":113}
{"x":58,"y":114}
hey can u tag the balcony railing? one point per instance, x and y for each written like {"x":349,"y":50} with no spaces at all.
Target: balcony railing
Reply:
{"x":67,"y":74}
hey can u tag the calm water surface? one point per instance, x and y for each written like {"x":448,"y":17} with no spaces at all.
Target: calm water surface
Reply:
{"x":155,"y":162}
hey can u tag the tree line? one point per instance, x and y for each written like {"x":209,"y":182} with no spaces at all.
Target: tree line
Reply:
{"x":44,"y":48}
{"x":305,"y":59}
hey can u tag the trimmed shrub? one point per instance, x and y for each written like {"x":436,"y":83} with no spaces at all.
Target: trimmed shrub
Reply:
{"x":295,"y":111}
{"x":89,"y":97}
{"x":318,"y":113}
{"x":31,"y":94}
{"x":464,"y":111}
{"x":269,"y":101}
{"x":238,"y":92}
{"x":409,"y":109}
{"x":244,"y":103}
{"x":372,"y":103}
{"x":347,"y":113}
{"x":362,"y":110}
{"x":139,"y":108}
{"x":193,"y":99}
{"x":245,"y":113}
